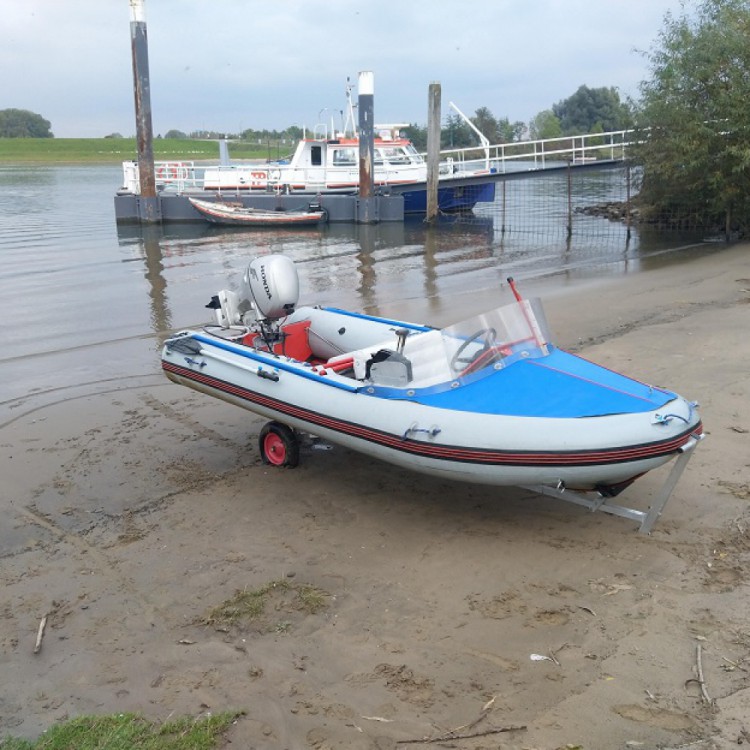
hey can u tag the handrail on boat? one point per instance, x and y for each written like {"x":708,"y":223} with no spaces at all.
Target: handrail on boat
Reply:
{"x":610,"y":146}
{"x":503,"y":157}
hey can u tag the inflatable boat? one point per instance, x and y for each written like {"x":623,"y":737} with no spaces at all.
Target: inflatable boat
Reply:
{"x":487,"y":400}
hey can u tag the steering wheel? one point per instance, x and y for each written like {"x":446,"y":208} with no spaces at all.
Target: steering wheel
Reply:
{"x":488,"y":336}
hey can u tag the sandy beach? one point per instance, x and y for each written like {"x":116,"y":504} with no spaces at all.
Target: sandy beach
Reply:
{"x":130,"y":515}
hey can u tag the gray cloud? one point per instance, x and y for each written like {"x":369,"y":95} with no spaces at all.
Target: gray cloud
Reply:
{"x":231,"y":64}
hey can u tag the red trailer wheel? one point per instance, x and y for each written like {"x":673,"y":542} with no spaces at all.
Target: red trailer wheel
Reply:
{"x":278,"y":445}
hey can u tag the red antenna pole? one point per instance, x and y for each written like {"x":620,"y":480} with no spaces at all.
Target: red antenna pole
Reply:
{"x":513,"y":289}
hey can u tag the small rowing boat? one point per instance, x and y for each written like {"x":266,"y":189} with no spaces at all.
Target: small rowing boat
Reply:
{"x":235,"y":214}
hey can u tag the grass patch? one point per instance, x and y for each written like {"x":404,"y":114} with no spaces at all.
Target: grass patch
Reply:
{"x":129,"y":732}
{"x":262,"y":605}
{"x":116,"y":150}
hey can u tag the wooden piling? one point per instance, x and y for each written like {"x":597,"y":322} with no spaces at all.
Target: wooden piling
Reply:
{"x":148,"y":204}
{"x":433,"y":150}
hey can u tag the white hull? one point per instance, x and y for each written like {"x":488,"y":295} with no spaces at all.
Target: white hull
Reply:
{"x":579,"y":453}
{"x":487,"y":400}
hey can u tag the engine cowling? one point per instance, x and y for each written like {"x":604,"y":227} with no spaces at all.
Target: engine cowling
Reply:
{"x":272,"y":284}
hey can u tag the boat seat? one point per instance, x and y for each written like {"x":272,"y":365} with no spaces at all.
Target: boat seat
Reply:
{"x":424,"y":353}
{"x":429,"y":361}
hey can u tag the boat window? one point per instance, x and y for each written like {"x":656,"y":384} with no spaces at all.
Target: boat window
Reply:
{"x":414,"y":155}
{"x":394,"y":155}
{"x":316,"y":156}
{"x":344,"y":157}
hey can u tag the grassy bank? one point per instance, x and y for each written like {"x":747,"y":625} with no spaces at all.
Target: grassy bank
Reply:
{"x":115,"y":150}
{"x":130,"y":732}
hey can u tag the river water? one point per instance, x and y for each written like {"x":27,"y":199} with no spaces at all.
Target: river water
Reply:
{"x":87,"y":304}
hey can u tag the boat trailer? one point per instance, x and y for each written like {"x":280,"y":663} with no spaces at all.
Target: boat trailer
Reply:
{"x":603,"y":503}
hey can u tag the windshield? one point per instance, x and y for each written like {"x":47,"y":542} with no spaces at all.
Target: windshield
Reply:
{"x":414,"y":155}
{"x":476,"y":347}
{"x":497,"y":338}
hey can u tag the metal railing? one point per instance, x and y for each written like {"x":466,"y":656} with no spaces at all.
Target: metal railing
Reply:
{"x":530,"y":155}
{"x":502,"y":158}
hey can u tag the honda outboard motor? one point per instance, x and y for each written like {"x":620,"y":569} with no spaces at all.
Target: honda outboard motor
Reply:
{"x":272,"y":286}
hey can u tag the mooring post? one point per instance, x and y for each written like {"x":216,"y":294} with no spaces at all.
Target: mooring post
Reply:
{"x":570,"y":201}
{"x":366,"y":213}
{"x":627,"y":200}
{"x":433,"y":150}
{"x":502,"y":227}
{"x":149,"y":210}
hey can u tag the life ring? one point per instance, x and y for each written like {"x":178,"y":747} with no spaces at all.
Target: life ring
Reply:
{"x":168,"y":171}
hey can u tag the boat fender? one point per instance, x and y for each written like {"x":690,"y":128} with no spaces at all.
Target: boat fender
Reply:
{"x":388,"y":368}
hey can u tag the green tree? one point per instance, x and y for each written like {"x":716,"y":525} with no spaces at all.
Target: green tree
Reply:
{"x":293,"y":133}
{"x":579,"y":113}
{"x":176,"y":135}
{"x":545,"y":125}
{"x":457,"y":134}
{"x":692,"y":125}
{"x":486,"y":123}
{"x":508,"y":132}
{"x":20,"y":123}
{"x":496,"y":130}
{"x":417,"y":134}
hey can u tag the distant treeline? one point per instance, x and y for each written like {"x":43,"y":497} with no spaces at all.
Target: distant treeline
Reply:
{"x":586,"y":111}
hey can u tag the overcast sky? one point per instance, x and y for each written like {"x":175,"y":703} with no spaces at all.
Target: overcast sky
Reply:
{"x":227,"y":65}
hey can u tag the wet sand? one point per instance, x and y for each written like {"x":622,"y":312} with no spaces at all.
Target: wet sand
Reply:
{"x":130,"y":514}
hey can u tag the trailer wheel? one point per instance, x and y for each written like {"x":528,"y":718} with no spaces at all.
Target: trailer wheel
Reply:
{"x":278,"y":445}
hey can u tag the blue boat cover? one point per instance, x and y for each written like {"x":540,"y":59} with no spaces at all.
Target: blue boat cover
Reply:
{"x":558,"y":385}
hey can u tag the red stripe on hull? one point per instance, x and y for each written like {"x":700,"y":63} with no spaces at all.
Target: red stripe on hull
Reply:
{"x":446,"y":452}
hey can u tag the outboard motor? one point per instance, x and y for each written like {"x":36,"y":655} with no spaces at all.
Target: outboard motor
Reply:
{"x":272,"y":286}
{"x":270,"y":290}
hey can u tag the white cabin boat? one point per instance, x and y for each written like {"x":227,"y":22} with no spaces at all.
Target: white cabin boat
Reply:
{"x":327,"y":162}
{"x":331,"y":165}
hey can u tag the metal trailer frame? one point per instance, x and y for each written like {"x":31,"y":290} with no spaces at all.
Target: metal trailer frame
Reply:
{"x":647,"y":518}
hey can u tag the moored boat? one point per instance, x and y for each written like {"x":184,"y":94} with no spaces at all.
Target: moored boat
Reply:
{"x":235,"y":214}
{"x":488,"y":400}
{"x":326,"y":162}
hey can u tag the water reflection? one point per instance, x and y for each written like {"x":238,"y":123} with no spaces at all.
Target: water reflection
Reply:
{"x":367,"y":267}
{"x":90,"y":298}
{"x":161,"y":319}
{"x":363,"y":266}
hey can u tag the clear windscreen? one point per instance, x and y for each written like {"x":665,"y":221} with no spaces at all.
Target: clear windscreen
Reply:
{"x":496,"y":338}
{"x":473,"y":348}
